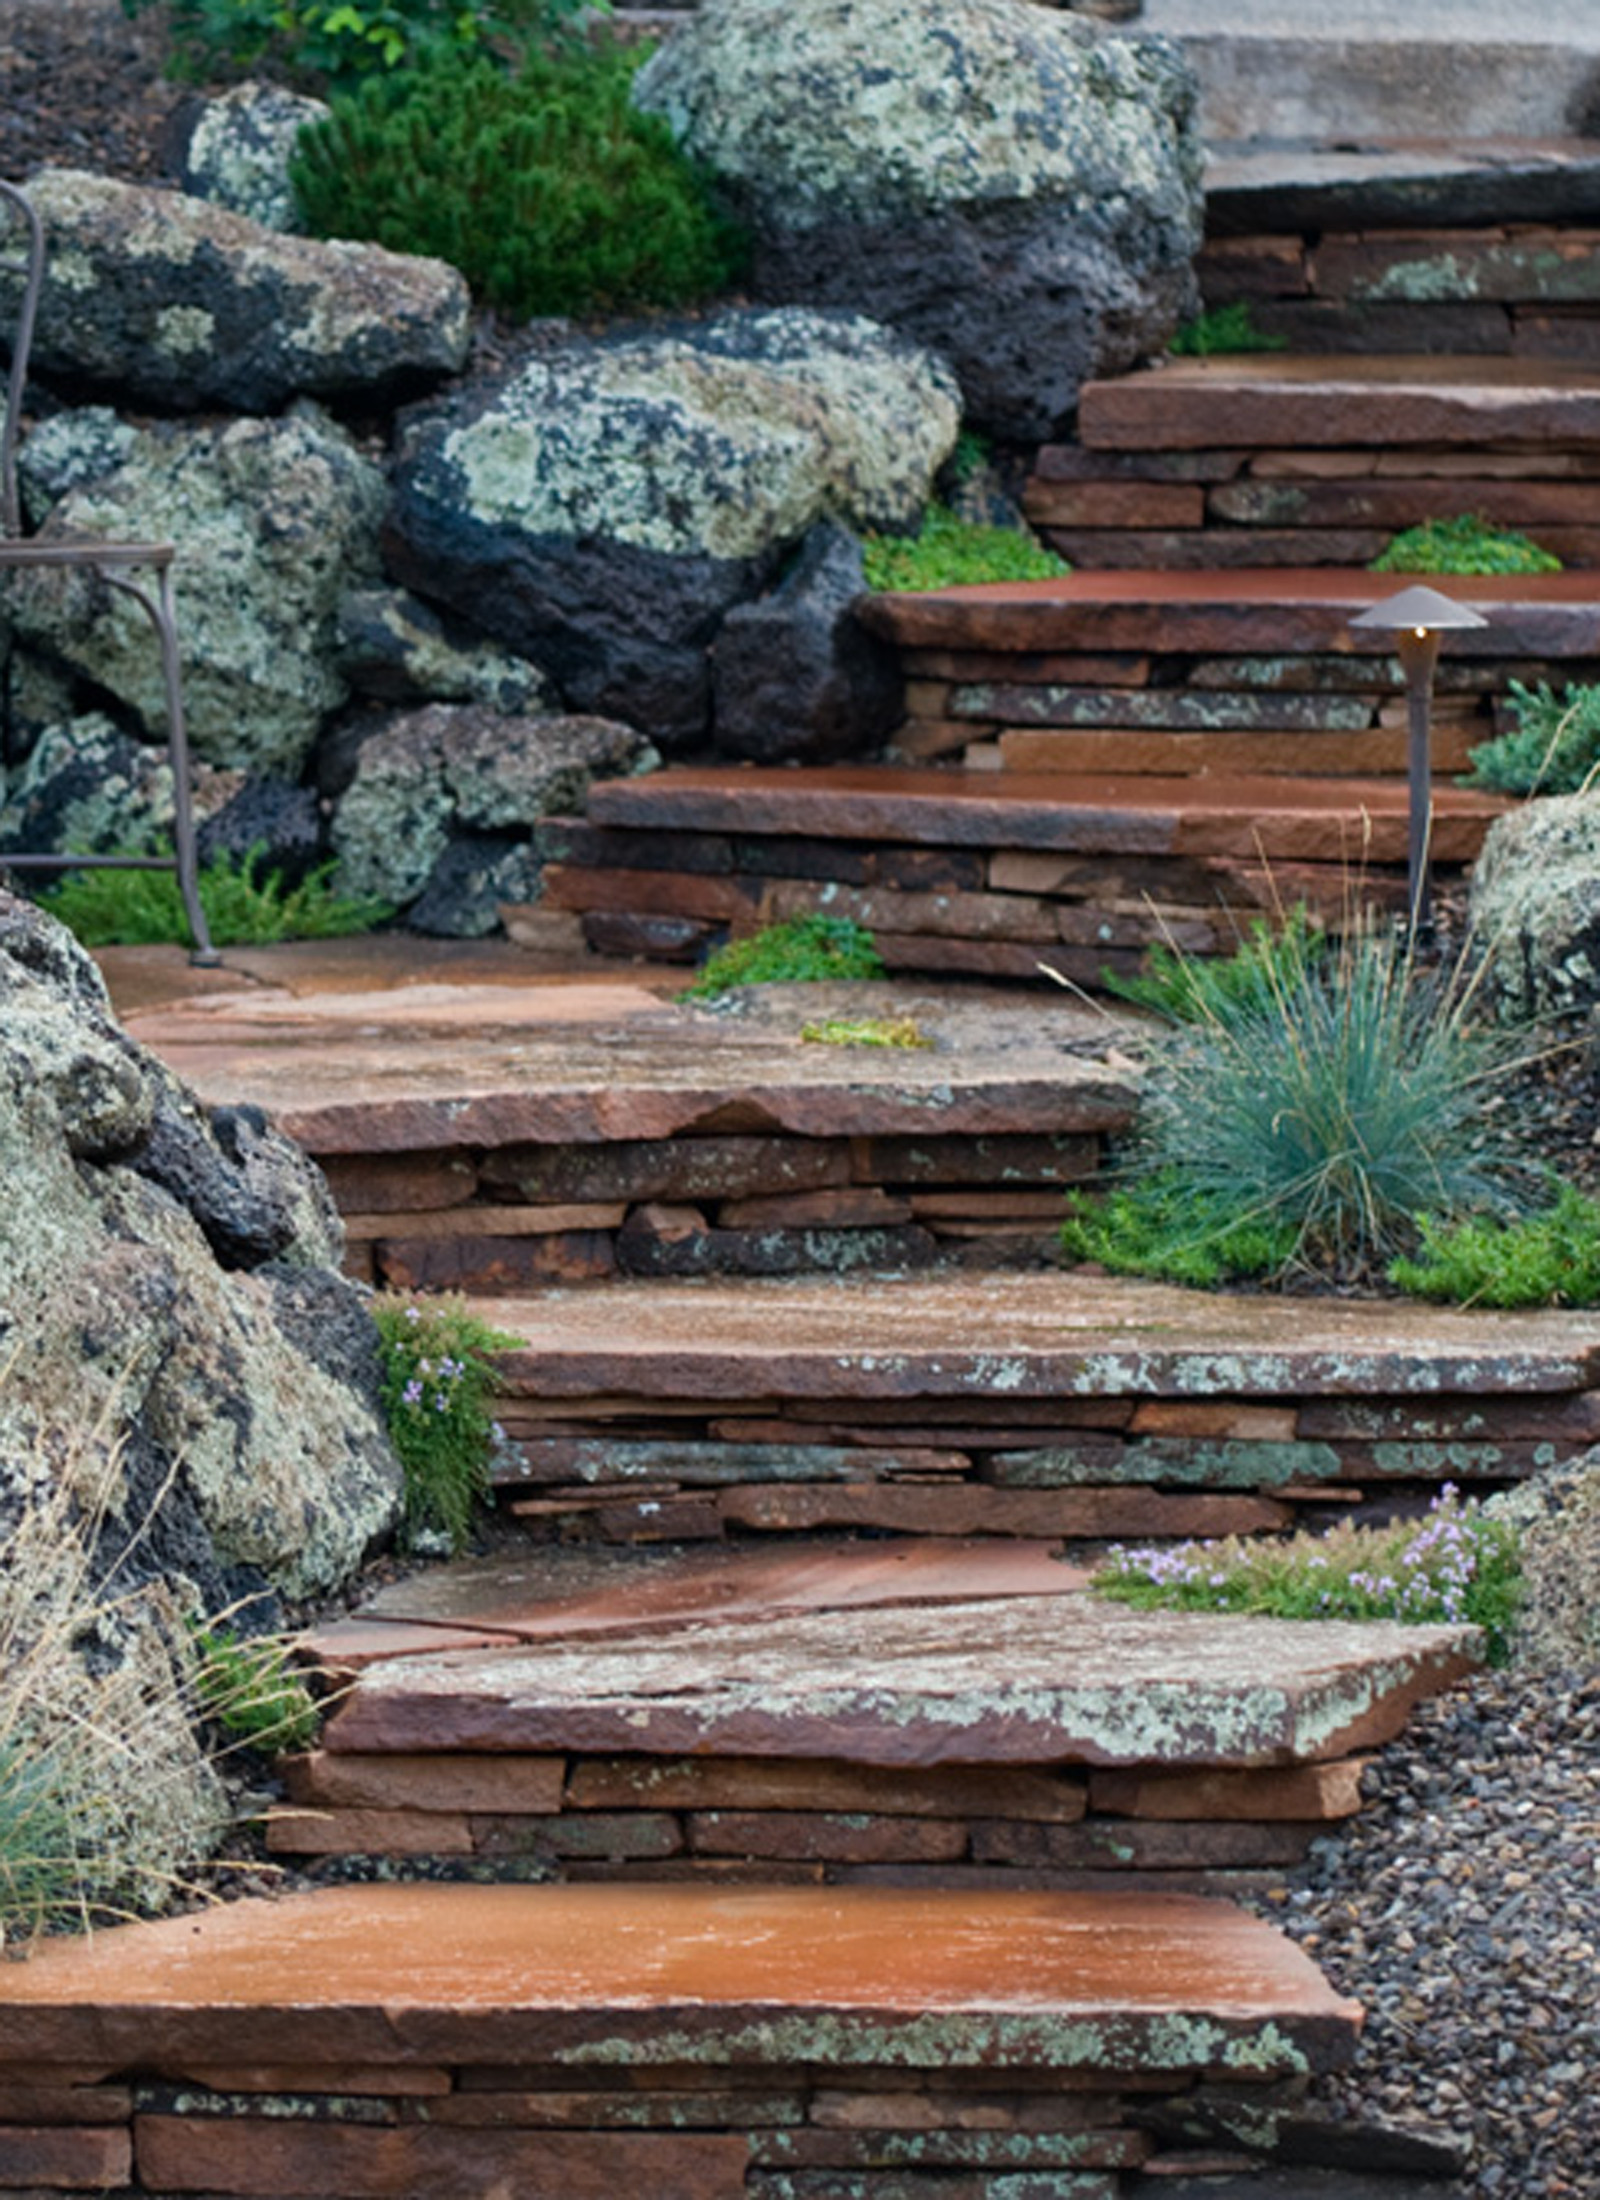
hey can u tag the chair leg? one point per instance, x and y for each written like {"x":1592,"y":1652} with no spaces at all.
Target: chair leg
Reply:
{"x":161,"y":610}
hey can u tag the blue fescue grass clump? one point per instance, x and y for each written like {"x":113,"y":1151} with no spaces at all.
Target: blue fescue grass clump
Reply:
{"x":1457,"y":1566}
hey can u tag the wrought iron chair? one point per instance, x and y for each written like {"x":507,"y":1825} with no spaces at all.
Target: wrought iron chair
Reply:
{"x":114,"y":563}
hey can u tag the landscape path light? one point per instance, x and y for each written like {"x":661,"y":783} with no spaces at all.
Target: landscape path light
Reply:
{"x":1418,"y":618}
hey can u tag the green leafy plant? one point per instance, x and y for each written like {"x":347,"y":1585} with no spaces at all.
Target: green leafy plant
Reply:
{"x":438,"y":1378}
{"x":243,"y":908}
{"x":948,"y":552}
{"x":1554,"y":748}
{"x":1465,"y":544}
{"x":1457,"y":1565}
{"x":547,"y":187}
{"x":1337,"y":1107}
{"x":1161,"y":1225}
{"x":1223,"y":329}
{"x":800,"y":951}
{"x":247,"y":1687}
{"x":334,"y":45}
{"x":1189,"y":989}
{"x":1550,"y":1258}
{"x":865,"y":1031}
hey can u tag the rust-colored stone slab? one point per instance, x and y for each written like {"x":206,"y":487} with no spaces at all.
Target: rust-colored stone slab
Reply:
{"x":1395,"y":503}
{"x":966,"y":1509}
{"x":318,"y":1832}
{"x":277,"y":2159}
{"x":481,"y":1222}
{"x":1018,"y":1681}
{"x":569,"y":1594}
{"x":765,"y":1783}
{"x":854,"y":1837}
{"x":74,"y":2158}
{"x":1292,"y":755}
{"x":1292,"y":1792}
{"x":615,"y":1977}
{"x":470,"y":1262}
{"x":411,"y":1184}
{"x":1114,"y":503}
{"x":1160,"y":710}
{"x":1190,"y":404}
{"x":1012,"y":1338}
{"x":427,"y":1783}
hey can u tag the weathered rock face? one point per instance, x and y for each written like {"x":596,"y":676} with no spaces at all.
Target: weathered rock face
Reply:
{"x":1006,"y":184}
{"x":1536,"y":908}
{"x":183,"y":304}
{"x":1557,"y":1518}
{"x":235,"y":151}
{"x":438,"y":817}
{"x":797,"y":679}
{"x":273,"y":519}
{"x":603,"y":510}
{"x":394,"y":648}
{"x":86,"y":786}
{"x":168,"y":1285}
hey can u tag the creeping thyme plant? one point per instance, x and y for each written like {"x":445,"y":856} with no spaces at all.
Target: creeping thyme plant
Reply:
{"x":1458,"y":1565}
{"x":438,"y":1378}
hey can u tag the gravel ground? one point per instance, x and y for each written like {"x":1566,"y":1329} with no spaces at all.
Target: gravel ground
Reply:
{"x":1463,"y":1906}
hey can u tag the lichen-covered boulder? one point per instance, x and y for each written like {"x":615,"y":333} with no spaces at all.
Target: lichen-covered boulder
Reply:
{"x":796,"y":678}
{"x":438,"y":817}
{"x":169,"y":1296}
{"x":1008,"y":184}
{"x":182,"y":304}
{"x":1557,"y":1519}
{"x":274,"y":520}
{"x":604,"y":508}
{"x":394,"y":648}
{"x":1535,"y":908}
{"x":235,"y":150}
{"x":88,"y":788}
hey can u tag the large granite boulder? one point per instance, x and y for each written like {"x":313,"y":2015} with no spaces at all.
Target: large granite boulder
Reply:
{"x":796,"y":677}
{"x":1535,"y":908}
{"x":439,"y":815}
{"x":169,"y":1282}
{"x":1010,"y":185}
{"x":235,"y":150}
{"x":603,"y":509}
{"x":274,"y":520}
{"x":165,"y":298}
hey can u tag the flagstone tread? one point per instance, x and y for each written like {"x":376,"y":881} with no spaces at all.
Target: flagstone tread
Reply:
{"x":600,"y":1976}
{"x":1311,"y":400}
{"x":1016,"y":1337}
{"x":1217,"y":815}
{"x":1278,"y":612}
{"x":1028,"y":1680}
{"x":1418,"y":182}
{"x":630,"y":1067}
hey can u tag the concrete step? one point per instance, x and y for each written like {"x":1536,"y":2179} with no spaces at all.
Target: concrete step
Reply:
{"x":423,"y":2042}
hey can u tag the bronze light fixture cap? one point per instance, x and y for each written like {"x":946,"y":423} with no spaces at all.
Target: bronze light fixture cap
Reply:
{"x":1419,"y":609}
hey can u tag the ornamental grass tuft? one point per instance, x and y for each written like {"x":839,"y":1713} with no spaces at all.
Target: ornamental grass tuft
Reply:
{"x":1457,"y":1565}
{"x":1326,"y":1109}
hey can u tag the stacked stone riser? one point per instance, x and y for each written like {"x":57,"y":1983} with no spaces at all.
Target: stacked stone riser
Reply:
{"x":730,"y":1820}
{"x":640,"y":1470}
{"x":511,"y":1218}
{"x":1517,"y":290}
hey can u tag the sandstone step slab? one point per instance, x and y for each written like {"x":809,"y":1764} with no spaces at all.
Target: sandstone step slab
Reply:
{"x":1010,"y":1339}
{"x":1018,"y":1682}
{"x":1280,"y":613}
{"x":1286,"y":399}
{"x":1405,"y":182}
{"x":1215,"y":816}
{"x":416,"y":2042}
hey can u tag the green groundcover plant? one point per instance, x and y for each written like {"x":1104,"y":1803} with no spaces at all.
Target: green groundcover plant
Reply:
{"x":334,"y":45}
{"x":865,"y":1031}
{"x":1229,"y":328}
{"x":1309,"y":1121}
{"x":438,"y":1378}
{"x":1548,"y":1258}
{"x":1457,"y":1566}
{"x":949,"y":552}
{"x":1465,"y":544}
{"x":1554,"y":747}
{"x":245,"y":906}
{"x":249,"y":1689}
{"x":545,"y":185}
{"x":1194,"y":989}
{"x":800,"y":951}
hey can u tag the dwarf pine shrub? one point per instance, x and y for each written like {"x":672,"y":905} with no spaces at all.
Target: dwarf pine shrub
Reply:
{"x":245,"y":905}
{"x":1554,"y":747}
{"x":334,"y":45}
{"x":545,"y":186}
